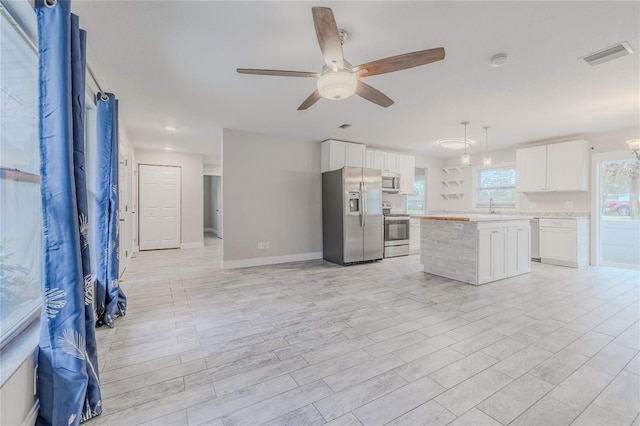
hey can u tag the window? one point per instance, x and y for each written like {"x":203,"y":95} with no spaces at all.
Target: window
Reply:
{"x":497,"y":184}
{"x":416,"y":202}
{"x":20,"y":212}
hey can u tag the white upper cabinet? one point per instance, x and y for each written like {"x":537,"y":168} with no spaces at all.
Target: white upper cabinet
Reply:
{"x":531,"y":169}
{"x":385,"y":161}
{"x":338,"y":154}
{"x":561,"y":166}
{"x":407,"y":168}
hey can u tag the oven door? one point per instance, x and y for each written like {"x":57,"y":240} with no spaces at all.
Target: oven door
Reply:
{"x":396,"y":231}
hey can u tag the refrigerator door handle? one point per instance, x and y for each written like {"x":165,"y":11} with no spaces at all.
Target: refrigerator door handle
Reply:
{"x":361,"y":202}
{"x":364,"y":205}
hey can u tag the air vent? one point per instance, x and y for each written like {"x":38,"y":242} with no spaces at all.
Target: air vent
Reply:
{"x":608,"y":54}
{"x":344,"y":126}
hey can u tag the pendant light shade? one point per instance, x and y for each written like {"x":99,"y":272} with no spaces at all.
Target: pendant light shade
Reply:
{"x":486,"y":161}
{"x":466,"y":158}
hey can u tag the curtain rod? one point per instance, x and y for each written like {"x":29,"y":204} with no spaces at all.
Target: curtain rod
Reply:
{"x":33,"y":43}
{"x":93,"y":77}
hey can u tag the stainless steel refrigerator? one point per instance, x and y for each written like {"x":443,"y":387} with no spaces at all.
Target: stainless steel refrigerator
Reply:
{"x":352,"y":222}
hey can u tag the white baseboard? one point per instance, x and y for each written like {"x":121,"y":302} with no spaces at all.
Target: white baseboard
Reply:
{"x":273,"y":260}
{"x":192,"y":245}
{"x":31,"y":418}
{"x":209,"y":230}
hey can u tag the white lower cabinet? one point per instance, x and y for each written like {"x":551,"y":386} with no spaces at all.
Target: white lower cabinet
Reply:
{"x":564,"y":242}
{"x":519,"y":249}
{"x":492,"y":255}
{"x":503,"y":250}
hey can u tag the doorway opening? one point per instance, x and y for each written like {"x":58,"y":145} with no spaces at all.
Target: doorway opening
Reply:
{"x":212,"y":214}
{"x":618,"y":210}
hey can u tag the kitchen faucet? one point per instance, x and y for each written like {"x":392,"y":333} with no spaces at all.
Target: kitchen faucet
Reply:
{"x":492,"y":207}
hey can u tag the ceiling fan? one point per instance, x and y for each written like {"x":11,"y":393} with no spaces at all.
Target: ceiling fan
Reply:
{"x":338,"y":78}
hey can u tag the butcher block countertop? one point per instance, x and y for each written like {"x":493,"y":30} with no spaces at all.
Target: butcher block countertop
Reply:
{"x":460,"y":217}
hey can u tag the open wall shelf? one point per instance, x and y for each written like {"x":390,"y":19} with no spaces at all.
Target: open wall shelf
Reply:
{"x":449,"y":183}
{"x":452,"y":196}
{"x":451,"y":170}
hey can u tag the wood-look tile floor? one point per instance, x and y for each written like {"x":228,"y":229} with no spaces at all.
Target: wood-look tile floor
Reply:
{"x":313,"y":343}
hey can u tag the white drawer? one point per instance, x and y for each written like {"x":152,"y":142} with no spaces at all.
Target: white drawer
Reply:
{"x":558,"y":223}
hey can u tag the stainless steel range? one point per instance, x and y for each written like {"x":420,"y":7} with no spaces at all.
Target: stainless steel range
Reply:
{"x":396,"y":232}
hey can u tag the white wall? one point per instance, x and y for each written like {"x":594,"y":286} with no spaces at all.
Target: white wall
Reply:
{"x":212,"y":169}
{"x":271,"y":191}
{"x":191,"y":191}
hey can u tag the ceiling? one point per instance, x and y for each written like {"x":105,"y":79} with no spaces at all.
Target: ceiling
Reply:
{"x":174,"y":63}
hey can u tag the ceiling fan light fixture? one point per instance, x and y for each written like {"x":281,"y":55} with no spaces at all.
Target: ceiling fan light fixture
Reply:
{"x":337,"y":85}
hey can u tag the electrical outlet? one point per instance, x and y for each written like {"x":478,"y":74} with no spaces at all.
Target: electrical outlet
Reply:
{"x":266,"y":245}
{"x":261,"y":245}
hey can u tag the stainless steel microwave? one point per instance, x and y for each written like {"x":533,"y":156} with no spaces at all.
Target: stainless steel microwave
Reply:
{"x":390,"y":182}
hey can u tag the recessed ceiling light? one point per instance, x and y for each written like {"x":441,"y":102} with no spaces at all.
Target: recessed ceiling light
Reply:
{"x":453,"y":143}
{"x":170,"y":128}
{"x":168,"y":148}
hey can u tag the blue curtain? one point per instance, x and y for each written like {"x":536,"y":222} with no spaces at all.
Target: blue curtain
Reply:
{"x":111,"y":301}
{"x":68,"y":384}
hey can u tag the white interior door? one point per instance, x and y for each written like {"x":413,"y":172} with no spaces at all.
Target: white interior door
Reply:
{"x":159,"y":207}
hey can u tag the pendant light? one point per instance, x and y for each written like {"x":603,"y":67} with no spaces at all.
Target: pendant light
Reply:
{"x":486,"y":161}
{"x":466,"y":158}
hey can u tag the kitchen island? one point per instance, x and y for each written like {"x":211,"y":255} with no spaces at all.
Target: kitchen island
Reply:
{"x":475,"y":248}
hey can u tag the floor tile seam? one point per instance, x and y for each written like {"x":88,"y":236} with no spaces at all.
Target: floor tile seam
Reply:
{"x":107,"y":398}
{"x":633,"y":323}
{"x":611,"y":379}
{"x":602,"y":349}
{"x":394,"y":337}
{"x":265,"y":399}
{"x":391,"y":422}
{"x":611,"y":411}
{"x":552,"y":387}
{"x":322,"y":378}
{"x":271,"y":376}
{"x":493,"y":418}
{"x":151,"y":372}
{"x":391,"y":371}
{"x":564,"y":348}
{"x":368,"y":402}
{"x":420,"y":330}
{"x":142,"y":350}
{"x":134,"y":374}
{"x":474,"y":374}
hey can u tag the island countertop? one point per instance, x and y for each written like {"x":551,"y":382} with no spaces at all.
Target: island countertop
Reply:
{"x":462,"y":217}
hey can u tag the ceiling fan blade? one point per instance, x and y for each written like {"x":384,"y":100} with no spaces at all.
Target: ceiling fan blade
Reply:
{"x":373,"y":95}
{"x":328,"y":36}
{"x":400,"y":62}
{"x":278,"y":72}
{"x":312,"y":99}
